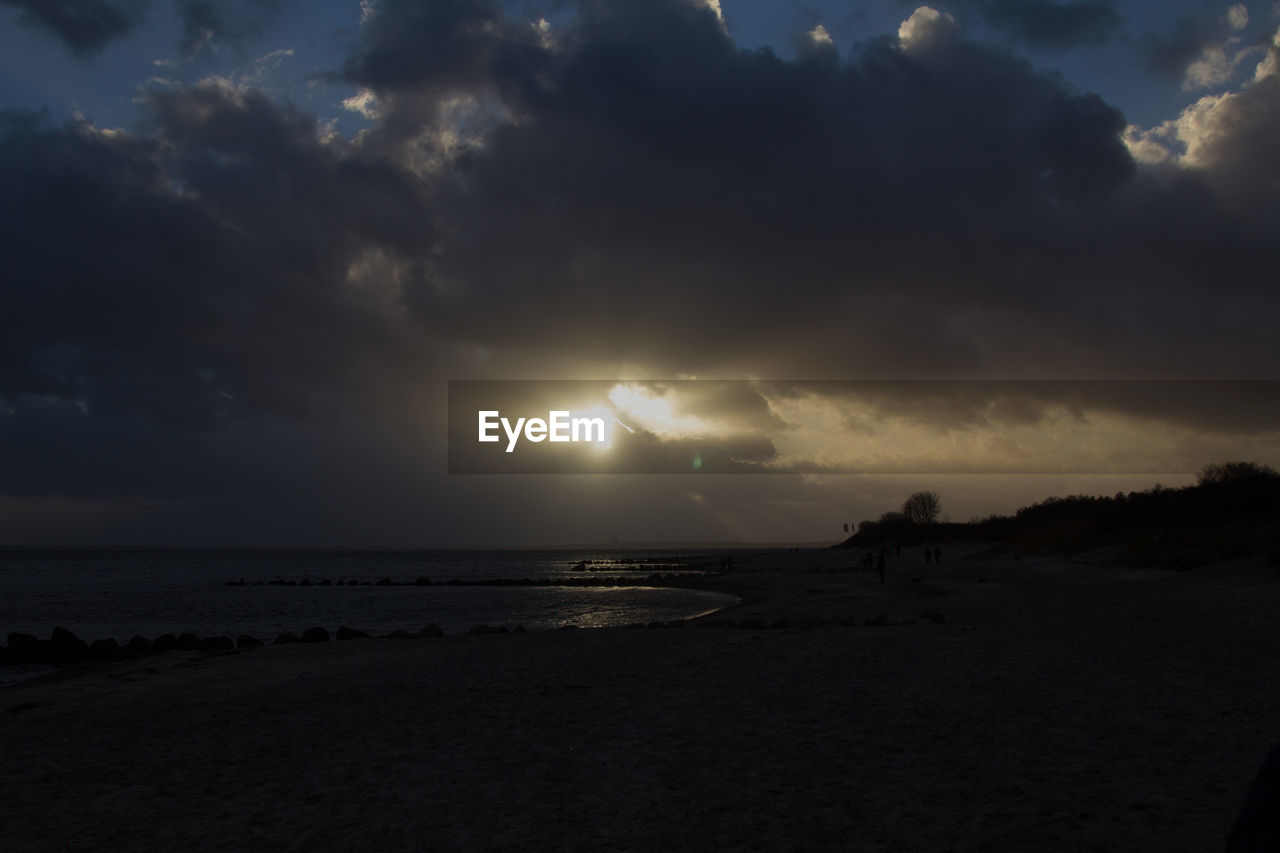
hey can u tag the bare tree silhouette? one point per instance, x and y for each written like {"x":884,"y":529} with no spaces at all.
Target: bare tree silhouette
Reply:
{"x":922,"y":507}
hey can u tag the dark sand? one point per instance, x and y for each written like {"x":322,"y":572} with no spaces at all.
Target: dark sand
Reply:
{"x":1059,"y":707}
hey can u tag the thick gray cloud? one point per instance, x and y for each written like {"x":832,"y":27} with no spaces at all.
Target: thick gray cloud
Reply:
{"x":621,"y":192}
{"x":652,"y":158}
{"x":1238,"y":152}
{"x":85,"y":26}
{"x":195,"y":272}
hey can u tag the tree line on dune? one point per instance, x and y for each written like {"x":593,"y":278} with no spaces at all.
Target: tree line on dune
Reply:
{"x":1233,"y":510}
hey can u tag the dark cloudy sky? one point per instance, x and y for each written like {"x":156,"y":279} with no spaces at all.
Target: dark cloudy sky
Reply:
{"x":246,"y":245}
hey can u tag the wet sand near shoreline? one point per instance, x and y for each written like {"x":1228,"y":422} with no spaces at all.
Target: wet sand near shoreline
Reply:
{"x":1058,"y":706}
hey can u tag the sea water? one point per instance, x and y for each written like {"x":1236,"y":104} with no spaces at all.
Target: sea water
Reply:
{"x":120,"y":593}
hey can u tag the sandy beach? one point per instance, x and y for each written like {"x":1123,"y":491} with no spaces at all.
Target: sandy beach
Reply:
{"x":1059,"y":706}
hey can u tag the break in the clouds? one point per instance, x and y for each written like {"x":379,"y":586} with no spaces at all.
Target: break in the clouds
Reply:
{"x":1206,"y":52}
{"x":603,"y":190}
{"x":1227,"y":138}
{"x":1052,"y":24}
{"x":1202,"y":48}
{"x":208,"y":23}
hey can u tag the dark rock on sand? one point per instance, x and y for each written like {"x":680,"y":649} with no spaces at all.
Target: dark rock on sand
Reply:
{"x":217,"y":644}
{"x":345,"y":633}
{"x":105,"y":649}
{"x":422,"y":582}
{"x":67,"y":647}
{"x":431,"y":632}
{"x":189,"y":642}
{"x":165,"y":642}
{"x":23,"y":647}
{"x":244,"y":641}
{"x":384,"y":582}
{"x":285,"y":637}
{"x":315,"y":635}
{"x":139,"y":646}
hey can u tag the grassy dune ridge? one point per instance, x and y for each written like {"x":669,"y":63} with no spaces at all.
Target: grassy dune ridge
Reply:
{"x":1233,"y":511}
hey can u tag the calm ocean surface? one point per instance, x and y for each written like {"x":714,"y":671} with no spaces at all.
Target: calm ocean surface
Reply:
{"x":98,"y":594}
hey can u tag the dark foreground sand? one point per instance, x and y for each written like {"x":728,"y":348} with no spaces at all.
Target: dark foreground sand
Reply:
{"x":1059,"y":707}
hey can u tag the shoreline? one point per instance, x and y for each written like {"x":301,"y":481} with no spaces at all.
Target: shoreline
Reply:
{"x":1060,"y":706}
{"x":693,"y":576}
